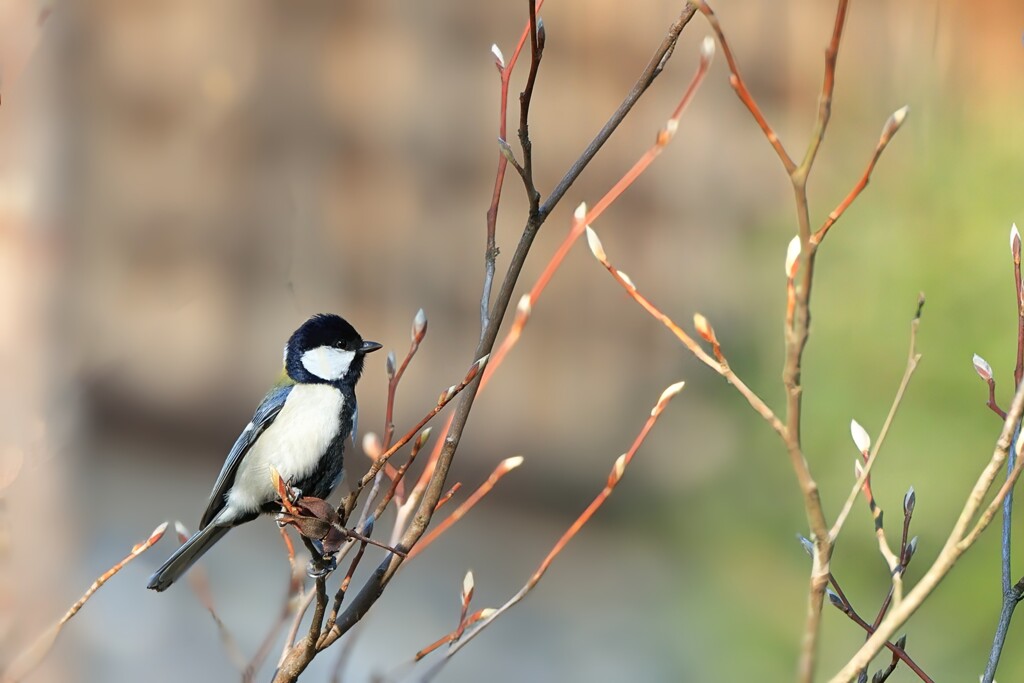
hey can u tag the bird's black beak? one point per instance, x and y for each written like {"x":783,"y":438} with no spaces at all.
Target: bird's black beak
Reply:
{"x":370,"y":347}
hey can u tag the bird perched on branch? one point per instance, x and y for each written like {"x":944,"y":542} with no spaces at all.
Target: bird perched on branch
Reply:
{"x":299,"y":429}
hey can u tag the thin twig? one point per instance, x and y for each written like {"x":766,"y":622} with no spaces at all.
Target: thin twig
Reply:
{"x":912,"y":359}
{"x":1011,"y":594}
{"x":503,"y":468}
{"x":653,"y":70}
{"x":621,"y":463}
{"x":958,"y":542}
{"x":29,"y":658}
{"x":721,"y":368}
{"x":525,"y":98}
{"x":736,"y":81}
{"x":1010,"y":600}
{"x":898,"y":652}
{"x":491,"y":250}
{"x":419,"y":331}
{"x":888,"y":131}
{"x":445,"y":398}
{"x":294,"y":588}
{"x":303,"y":603}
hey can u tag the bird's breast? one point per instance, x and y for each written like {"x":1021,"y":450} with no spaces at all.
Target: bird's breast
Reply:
{"x":293,"y":444}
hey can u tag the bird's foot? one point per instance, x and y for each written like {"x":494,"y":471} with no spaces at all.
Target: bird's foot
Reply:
{"x":322,"y":563}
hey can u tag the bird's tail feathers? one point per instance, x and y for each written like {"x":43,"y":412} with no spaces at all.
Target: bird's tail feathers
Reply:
{"x":186,"y":556}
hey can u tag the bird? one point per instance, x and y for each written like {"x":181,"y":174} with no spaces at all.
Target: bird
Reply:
{"x":299,"y":429}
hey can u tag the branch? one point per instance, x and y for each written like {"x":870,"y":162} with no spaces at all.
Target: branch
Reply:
{"x":29,"y":658}
{"x":888,"y":131}
{"x":653,"y":70}
{"x":736,"y":81}
{"x":841,"y":603}
{"x":297,"y":660}
{"x":491,"y":251}
{"x":621,"y":463}
{"x":503,"y":468}
{"x":537,"y":37}
{"x":719,"y":364}
{"x":912,"y":358}
{"x":958,"y":542}
{"x":1011,"y":593}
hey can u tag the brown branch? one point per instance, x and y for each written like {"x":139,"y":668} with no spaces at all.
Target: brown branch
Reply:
{"x":898,"y":652}
{"x":537,"y":36}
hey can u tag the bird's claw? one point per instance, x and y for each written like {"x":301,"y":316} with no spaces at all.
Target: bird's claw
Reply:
{"x":323,"y":567}
{"x":321,"y":564}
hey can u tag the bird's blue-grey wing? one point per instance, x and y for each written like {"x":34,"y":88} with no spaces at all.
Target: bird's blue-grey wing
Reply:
{"x":264,"y":416}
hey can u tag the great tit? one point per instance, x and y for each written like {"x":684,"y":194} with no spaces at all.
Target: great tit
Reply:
{"x":299,"y":429}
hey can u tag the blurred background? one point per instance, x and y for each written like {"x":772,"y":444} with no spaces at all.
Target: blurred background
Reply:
{"x":182,"y":183}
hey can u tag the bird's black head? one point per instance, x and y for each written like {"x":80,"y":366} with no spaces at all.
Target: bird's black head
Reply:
{"x":326,"y":349}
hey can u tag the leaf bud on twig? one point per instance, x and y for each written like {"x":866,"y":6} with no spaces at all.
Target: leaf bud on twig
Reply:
{"x":596,"y":248}
{"x":670,"y":392}
{"x":703,"y":327}
{"x":419,"y":326}
{"x":894,"y":122}
{"x":792,"y":255}
{"x":509,"y":464}
{"x":860,"y":437}
{"x":524,"y":307}
{"x":909,"y":501}
{"x":499,"y":58}
{"x":911,"y":549}
{"x":707,"y":48}
{"x":372,"y":445}
{"x":506,"y":151}
{"x":617,"y":470}
{"x":580,"y":213}
{"x":834,"y":598}
{"x":982,"y":367}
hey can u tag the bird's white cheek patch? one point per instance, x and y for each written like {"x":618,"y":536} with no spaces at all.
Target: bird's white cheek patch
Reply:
{"x":327,"y":362}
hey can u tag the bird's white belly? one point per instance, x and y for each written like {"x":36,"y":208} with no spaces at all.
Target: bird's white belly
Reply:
{"x":293,"y":444}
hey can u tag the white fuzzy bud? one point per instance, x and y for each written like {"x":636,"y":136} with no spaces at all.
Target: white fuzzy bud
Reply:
{"x":860,"y":436}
